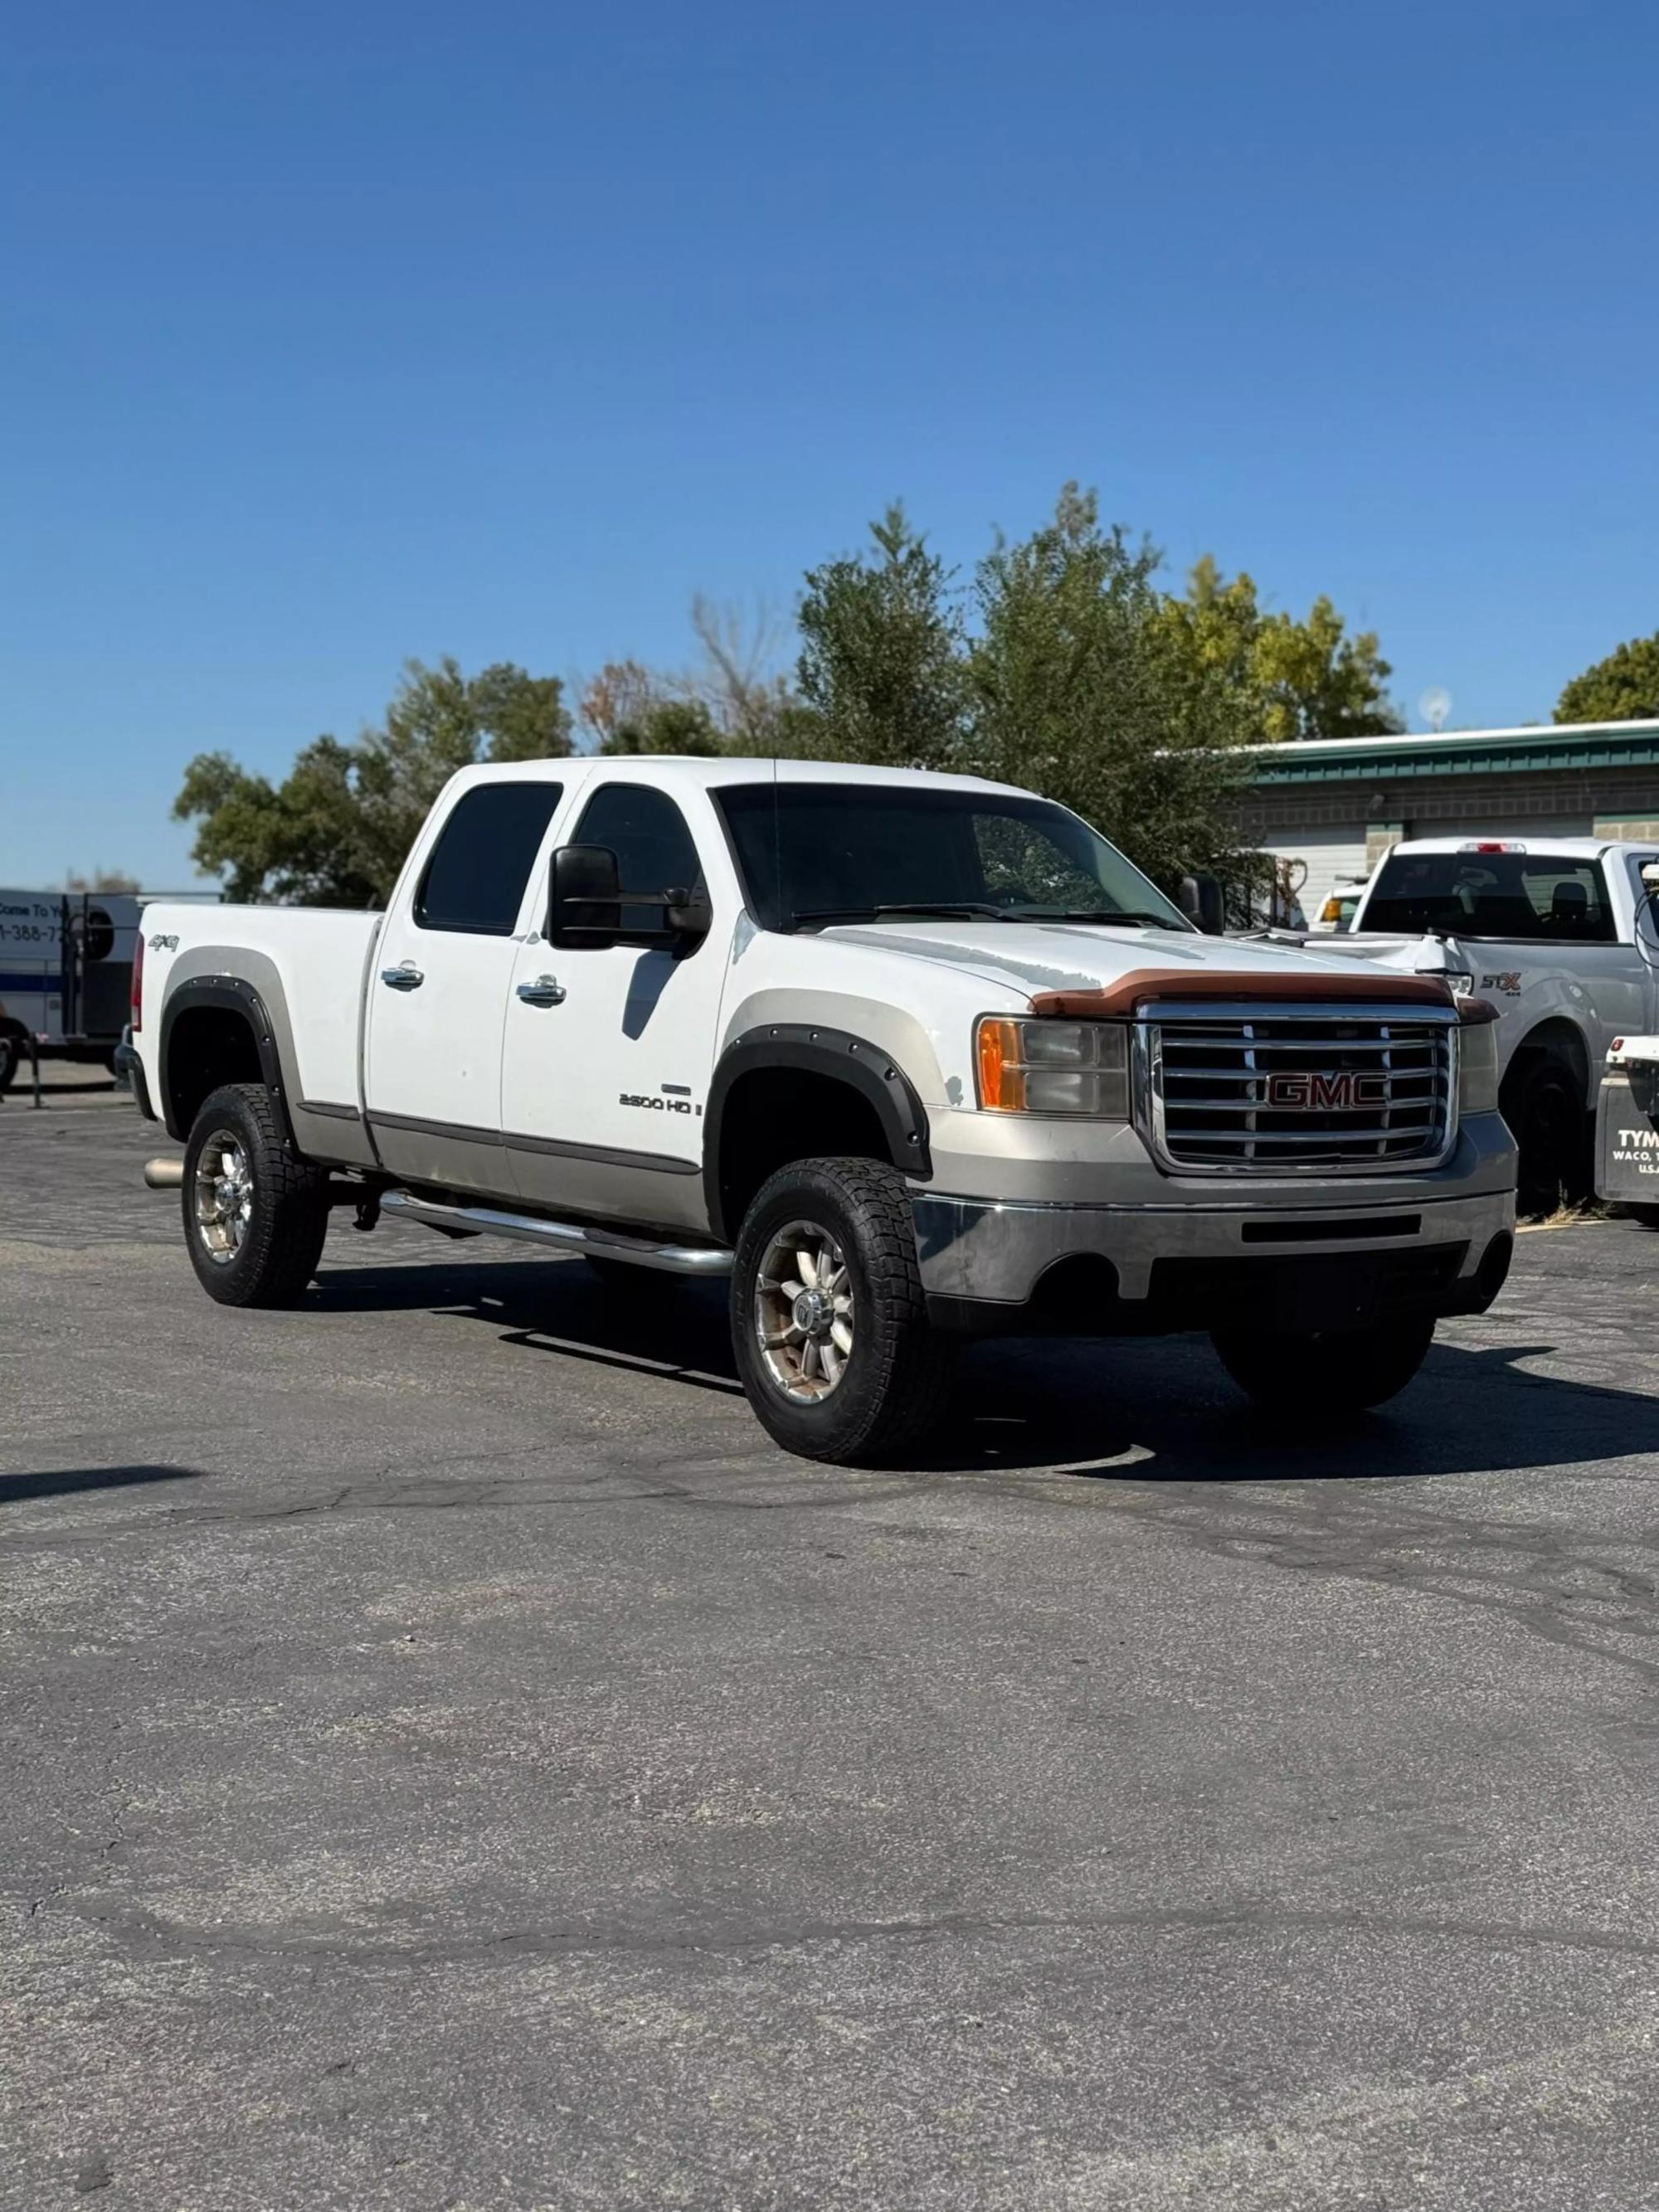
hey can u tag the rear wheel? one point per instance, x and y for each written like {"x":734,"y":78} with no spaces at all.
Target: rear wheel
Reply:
{"x":11,"y":1051}
{"x":255,"y":1216}
{"x":828,"y":1318}
{"x":1324,"y":1373}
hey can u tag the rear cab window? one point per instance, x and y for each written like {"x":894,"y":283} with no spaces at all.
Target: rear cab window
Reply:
{"x":474,"y":880}
{"x":1515,"y":897}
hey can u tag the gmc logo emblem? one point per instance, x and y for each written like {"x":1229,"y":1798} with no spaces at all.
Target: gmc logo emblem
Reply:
{"x":1325,"y":1094}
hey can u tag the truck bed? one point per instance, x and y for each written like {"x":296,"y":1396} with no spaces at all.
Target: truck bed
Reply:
{"x":319,"y":953}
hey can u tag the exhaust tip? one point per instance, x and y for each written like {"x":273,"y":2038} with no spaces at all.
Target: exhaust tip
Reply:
{"x":164,"y":1175}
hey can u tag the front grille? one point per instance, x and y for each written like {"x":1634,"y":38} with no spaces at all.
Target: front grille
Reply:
{"x":1262,"y":1092}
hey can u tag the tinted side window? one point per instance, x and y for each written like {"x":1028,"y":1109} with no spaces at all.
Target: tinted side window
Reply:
{"x":654,"y":849}
{"x":475,"y":877}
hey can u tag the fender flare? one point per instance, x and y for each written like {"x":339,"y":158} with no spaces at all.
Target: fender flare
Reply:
{"x":837,"y":1055}
{"x":224,"y":994}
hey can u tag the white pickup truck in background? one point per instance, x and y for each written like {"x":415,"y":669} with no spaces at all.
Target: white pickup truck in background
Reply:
{"x":1561,"y":935}
{"x":904,"y":1056}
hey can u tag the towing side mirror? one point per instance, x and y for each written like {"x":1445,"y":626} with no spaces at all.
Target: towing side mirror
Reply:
{"x":1201,"y":899}
{"x":587,"y":903}
{"x":686,"y":910}
{"x":584,"y":904}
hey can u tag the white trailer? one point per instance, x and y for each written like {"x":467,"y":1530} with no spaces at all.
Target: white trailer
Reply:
{"x":65,"y":974}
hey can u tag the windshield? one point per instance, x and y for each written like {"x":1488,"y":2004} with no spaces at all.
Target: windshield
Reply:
{"x":1512,"y":896}
{"x":814,"y":853}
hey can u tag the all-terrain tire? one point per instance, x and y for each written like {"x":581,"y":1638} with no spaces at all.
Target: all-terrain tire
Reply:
{"x":270,"y":1258}
{"x":890,"y":1386}
{"x":1325,"y":1373}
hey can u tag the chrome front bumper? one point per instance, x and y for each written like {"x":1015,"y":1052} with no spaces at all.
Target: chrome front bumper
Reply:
{"x":994,"y":1253}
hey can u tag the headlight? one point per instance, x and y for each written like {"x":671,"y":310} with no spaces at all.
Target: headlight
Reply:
{"x":1053,"y":1068}
{"x":1477,"y":1067}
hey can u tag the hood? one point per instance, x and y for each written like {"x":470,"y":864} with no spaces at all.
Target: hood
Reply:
{"x":1029,"y":958}
{"x":1426,"y":954}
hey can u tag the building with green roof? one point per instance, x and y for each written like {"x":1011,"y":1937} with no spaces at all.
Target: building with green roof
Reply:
{"x":1331,"y":807}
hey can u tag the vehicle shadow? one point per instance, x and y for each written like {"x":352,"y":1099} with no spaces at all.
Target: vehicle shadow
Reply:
{"x":1141,"y":1409}
{"x":66,"y":1482}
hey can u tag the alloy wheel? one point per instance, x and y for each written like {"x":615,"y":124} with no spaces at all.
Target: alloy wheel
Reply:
{"x":804,"y":1312}
{"x":224,"y":1196}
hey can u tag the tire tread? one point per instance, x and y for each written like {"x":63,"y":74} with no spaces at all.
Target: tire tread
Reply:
{"x":907,"y":1365}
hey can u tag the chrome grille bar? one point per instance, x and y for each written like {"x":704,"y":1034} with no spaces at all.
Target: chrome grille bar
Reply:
{"x":1286,"y":1091}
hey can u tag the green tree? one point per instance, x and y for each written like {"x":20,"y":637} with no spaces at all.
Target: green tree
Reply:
{"x":733,"y":701}
{"x":621,"y":697}
{"x":1080,"y":692}
{"x":1290,"y":678}
{"x":882,"y":666}
{"x":1623,"y":688}
{"x":666,"y":726}
{"x":336,"y":830}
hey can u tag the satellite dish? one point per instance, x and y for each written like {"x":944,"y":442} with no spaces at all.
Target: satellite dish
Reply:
{"x":1434,"y":706}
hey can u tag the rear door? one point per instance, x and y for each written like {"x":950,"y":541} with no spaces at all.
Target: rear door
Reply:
{"x":607,"y":1051}
{"x":438,"y":991}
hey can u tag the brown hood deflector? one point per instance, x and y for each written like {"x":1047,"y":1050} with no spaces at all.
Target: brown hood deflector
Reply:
{"x":1293,"y":988}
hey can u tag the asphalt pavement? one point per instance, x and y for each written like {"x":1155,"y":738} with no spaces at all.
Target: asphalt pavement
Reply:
{"x":452,"y":1761}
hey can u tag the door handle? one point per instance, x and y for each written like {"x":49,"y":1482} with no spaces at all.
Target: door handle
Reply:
{"x":406,"y":978}
{"x":545,"y":991}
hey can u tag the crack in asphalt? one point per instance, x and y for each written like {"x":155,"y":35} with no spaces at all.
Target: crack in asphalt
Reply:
{"x":1348,"y":1535}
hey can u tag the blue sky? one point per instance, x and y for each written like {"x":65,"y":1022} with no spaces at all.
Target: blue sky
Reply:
{"x":332,"y":335}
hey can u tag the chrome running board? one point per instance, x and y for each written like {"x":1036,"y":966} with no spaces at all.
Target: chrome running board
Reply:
{"x":562,"y":1236}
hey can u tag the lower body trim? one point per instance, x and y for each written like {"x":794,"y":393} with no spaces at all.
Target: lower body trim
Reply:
{"x":560,"y":1236}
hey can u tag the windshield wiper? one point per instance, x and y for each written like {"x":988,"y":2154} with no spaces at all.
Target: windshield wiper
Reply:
{"x":1126,"y":917}
{"x":944,"y":909}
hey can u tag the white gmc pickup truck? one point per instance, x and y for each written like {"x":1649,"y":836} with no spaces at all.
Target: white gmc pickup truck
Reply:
{"x":906,"y":1056}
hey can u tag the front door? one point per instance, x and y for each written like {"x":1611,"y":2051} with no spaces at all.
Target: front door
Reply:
{"x":1646,"y":903}
{"x":439,"y":991}
{"x":607,"y":1053}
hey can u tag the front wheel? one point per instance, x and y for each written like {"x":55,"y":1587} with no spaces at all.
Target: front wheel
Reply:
{"x":1546,"y":1114}
{"x":828,"y":1318}
{"x":1324,"y":1373}
{"x":255,"y":1215}
{"x":11,"y":1051}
